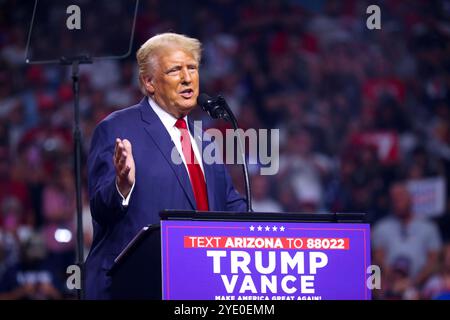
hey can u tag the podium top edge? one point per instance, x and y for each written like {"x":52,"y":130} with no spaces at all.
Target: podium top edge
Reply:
{"x":262,"y":216}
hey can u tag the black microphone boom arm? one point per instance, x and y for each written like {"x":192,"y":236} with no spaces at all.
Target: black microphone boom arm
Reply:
{"x":218,"y":109}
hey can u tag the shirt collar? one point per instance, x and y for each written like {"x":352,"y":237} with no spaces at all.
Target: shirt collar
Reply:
{"x":166,"y":118}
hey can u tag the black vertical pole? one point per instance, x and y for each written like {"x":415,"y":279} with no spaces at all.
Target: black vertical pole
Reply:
{"x":77,"y":147}
{"x":75,"y":63}
{"x":241,"y":151}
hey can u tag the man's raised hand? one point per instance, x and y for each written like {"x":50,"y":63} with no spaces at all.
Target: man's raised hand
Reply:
{"x":124,"y":165}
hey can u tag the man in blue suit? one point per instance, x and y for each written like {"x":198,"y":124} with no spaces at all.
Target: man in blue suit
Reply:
{"x":132,"y":176}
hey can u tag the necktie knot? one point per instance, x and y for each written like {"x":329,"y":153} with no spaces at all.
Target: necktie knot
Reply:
{"x":181,"y":124}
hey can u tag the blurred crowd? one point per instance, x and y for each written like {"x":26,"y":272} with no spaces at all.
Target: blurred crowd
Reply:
{"x":363,"y":115}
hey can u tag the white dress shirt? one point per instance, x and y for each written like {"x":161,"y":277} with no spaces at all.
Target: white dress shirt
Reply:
{"x":169,"y":121}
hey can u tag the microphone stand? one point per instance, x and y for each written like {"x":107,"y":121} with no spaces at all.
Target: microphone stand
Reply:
{"x":229,"y":116}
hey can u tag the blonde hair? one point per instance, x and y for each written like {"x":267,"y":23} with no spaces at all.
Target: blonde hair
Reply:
{"x":147,"y":54}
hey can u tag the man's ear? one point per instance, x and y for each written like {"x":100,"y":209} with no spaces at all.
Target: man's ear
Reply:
{"x":148,"y":83}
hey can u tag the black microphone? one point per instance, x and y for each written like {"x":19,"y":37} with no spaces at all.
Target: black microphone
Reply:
{"x":212,"y":106}
{"x":218,"y":108}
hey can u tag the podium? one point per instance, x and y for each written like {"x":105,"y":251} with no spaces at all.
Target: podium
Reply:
{"x":246,"y":256}
{"x":136,"y":272}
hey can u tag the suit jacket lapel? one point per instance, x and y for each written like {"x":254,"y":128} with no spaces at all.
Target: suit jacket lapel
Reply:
{"x":159,"y":134}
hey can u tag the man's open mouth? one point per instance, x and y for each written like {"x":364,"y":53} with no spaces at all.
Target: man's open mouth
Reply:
{"x":187,"y":93}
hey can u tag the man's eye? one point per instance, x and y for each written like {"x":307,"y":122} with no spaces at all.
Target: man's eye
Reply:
{"x":173,"y":71}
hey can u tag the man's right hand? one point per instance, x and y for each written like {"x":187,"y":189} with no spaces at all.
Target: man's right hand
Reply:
{"x":125,"y":167}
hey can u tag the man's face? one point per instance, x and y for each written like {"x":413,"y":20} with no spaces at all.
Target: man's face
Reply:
{"x":174,"y":84}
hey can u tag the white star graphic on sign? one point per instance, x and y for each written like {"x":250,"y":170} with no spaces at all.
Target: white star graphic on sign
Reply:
{"x":259,"y":228}
{"x":267,"y":228}
{"x":282,"y":228}
{"x":274,"y":228}
{"x":252,"y":228}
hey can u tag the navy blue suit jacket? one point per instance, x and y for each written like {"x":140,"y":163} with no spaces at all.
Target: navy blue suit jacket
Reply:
{"x":160,"y":184}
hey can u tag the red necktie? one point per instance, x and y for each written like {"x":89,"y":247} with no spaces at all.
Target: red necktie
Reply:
{"x":195,"y":171}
